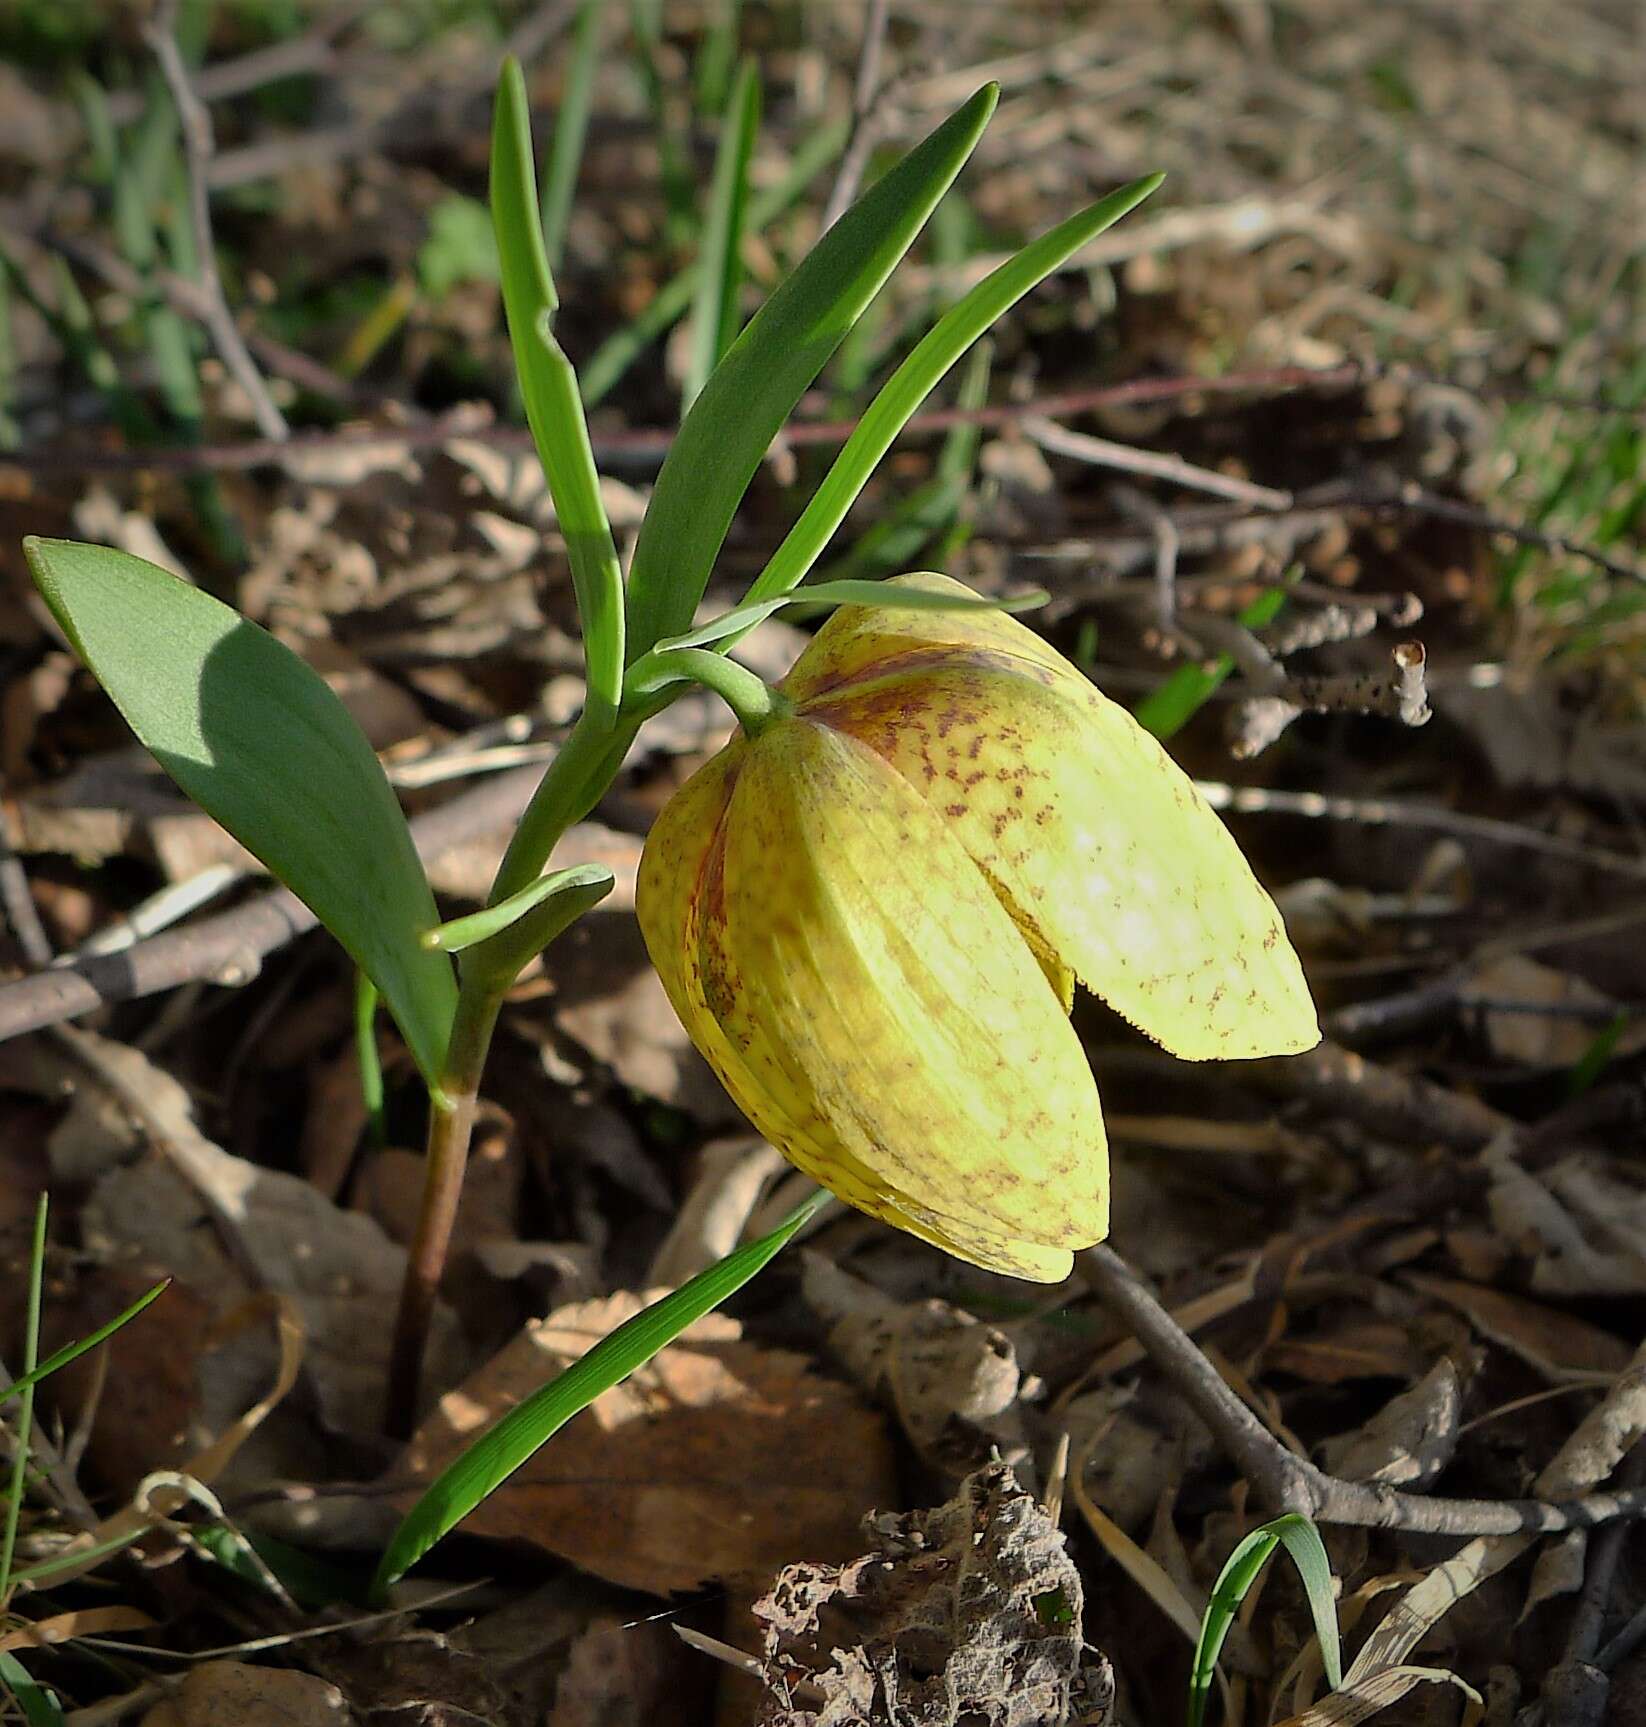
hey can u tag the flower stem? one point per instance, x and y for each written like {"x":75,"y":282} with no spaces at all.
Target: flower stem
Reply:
{"x":755,"y":703}
{"x":451,"y":1124}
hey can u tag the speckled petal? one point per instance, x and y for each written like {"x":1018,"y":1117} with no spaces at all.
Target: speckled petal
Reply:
{"x":1091,"y":833}
{"x":864,"y":974}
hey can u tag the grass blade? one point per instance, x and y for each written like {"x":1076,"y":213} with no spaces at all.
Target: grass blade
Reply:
{"x":60,"y":1358}
{"x":1240,"y":1571}
{"x":755,"y":388}
{"x":612,"y":359}
{"x":915,"y":379}
{"x":714,"y":314}
{"x":571,"y":129}
{"x":548,"y":386}
{"x":40,"y":1706}
{"x":501,"y":1450}
{"x":25,"y":1410}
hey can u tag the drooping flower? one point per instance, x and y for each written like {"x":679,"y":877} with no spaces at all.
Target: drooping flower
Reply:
{"x":870,"y":916}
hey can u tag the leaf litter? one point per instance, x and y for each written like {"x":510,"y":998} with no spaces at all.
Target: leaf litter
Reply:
{"x":1418,"y":1259}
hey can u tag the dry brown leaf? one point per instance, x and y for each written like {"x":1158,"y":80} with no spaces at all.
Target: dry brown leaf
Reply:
{"x":1411,"y":1438}
{"x":719,"y":1459}
{"x":623,"y":1675}
{"x":953,"y":1381}
{"x":233,"y":1694}
{"x":1352,"y":1349}
{"x":1553,"y":1039}
{"x":84,"y":1622}
{"x":967,"y":1615}
{"x":1562,"y":1348}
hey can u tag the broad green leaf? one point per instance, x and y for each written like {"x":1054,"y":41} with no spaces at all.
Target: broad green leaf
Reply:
{"x":915,"y":379}
{"x":548,"y":386}
{"x":501,"y":1450}
{"x":754,"y":389}
{"x":262,"y":744}
{"x":714,"y":317}
{"x":1308,"y":1553}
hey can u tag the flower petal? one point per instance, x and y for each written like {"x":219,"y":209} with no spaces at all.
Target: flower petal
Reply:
{"x":1092,"y":835}
{"x":870,"y":982}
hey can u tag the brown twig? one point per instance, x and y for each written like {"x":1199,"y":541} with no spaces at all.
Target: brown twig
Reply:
{"x":229,"y":948}
{"x":1291,"y":1483}
{"x":198,"y":148}
{"x":1260,"y":720}
{"x":1104,"y":453}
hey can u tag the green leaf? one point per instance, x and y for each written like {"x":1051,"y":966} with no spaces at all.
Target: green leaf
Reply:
{"x":755,"y":388}
{"x":915,"y":379}
{"x":262,"y":744}
{"x":1308,"y":1553}
{"x":571,"y":128}
{"x":23,"y":1426}
{"x":714,"y":316}
{"x":581,"y":880}
{"x":618,"y":352}
{"x":40,"y":1706}
{"x":60,"y":1358}
{"x":1167,"y":710}
{"x":459,"y":247}
{"x":501,"y":1450}
{"x":848,"y":591}
{"x":548,"y":385}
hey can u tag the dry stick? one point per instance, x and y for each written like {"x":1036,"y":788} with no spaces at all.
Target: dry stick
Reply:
{"x":865,"y":92}
{"x":17,"y":902}
{"x":230,"y":947}
{"x":192,"y":300}
{"x":1291,"y":1483}
{"x":198,"y":147}
{"x":1103,"y":453}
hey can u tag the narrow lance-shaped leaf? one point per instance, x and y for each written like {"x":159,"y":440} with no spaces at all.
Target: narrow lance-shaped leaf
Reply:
{"x":261,"y":743}
{"x":755,"y":387}
{"x":714,"y":318}
{"x":915,"y":379}
{"x":548,"y":386}
{"x":501,"y":1450}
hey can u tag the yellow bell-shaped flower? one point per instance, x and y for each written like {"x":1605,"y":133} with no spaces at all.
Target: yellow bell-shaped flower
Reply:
{"x":869,"y":917}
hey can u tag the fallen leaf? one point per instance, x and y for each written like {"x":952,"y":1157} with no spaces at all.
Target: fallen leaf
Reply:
{"x":718,"y":1460}
{"x":1411,"y":1438}
{"x":233,"y":1694}
{"x":623,"y":1675}
{"x":967,"y":1615}
{"x":1565,"y":1350}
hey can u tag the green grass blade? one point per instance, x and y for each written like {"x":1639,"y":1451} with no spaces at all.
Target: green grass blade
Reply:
{"x":40,"y":1706}
{"x":1240,"y":1571}
{"x":263,"y":744}
{"x":60,"y":1358}
{"x":368,"y":1061}
{"x":571,"y":129}
{"x":716,"y":55}
{"x":914,"y":380}
{"x":501,"y":1450}
{"x":755,"y":388}
{"x":612,"y":359}
{"x":548,"y":386}
{"x":25,"y":1411}
{"x":1167,"y":710}
{"x":714,"y":314}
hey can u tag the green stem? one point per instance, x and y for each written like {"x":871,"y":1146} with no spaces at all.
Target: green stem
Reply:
{"x":451,"y":1124}
{"x":755,"y":703}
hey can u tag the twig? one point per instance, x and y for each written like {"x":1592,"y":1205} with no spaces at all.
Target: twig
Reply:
{"x":1103,"y":453}
{"x":1291,"y":1483}
{"x":1258,"y":722}
{"x":17,"y":902}
{"x":198,"y":147}
{"x":865,"y":94}
{"x":230,"y":947}
{"x":1407,"y":812}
